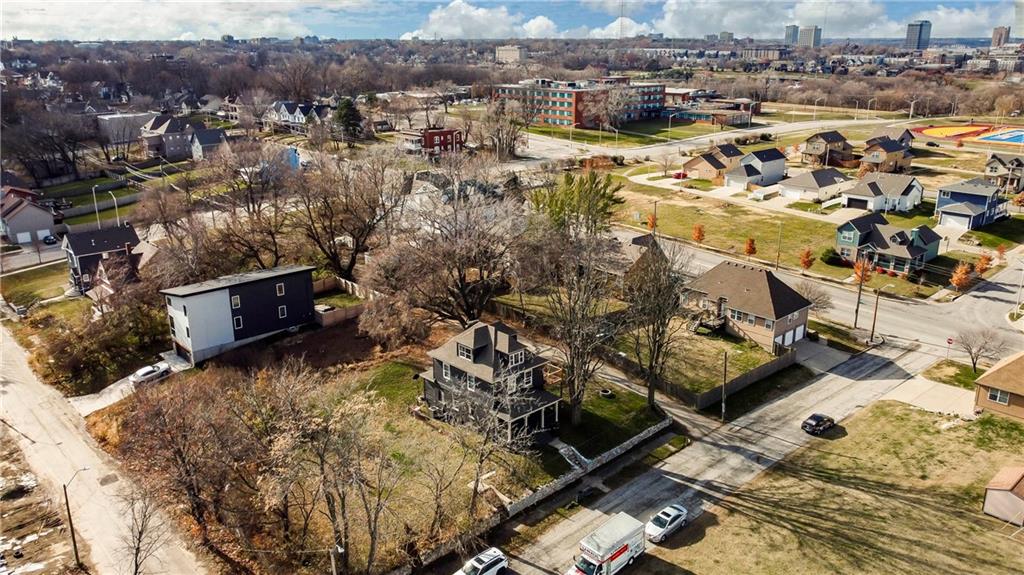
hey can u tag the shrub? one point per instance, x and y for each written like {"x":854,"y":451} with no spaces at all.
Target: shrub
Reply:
{"x":892,"y":273}
{"x":879,"y":270}
{"x":830,"y":256}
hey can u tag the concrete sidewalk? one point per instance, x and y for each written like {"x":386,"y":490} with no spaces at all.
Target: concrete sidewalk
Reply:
{"x":935,"y":397}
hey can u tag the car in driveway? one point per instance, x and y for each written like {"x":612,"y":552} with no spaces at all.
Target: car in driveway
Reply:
{"x":150,"y":373}
{"x":50,"y":240}
{"x":818,"y":424}
{"x":490,"y":562}
{"x":665,"y":523}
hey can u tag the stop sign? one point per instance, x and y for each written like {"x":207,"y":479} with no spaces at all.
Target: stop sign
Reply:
{"x":949,"y":341}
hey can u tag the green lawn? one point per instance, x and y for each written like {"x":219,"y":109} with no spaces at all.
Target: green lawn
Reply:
{"x":680,"y":130}
{"x":698,"y":184}
{"x":921,"y":215}
{"x":727,"y":227}
{"x":84,"y":185}
{"x":762,"y":392}
{"x":812,"y":207}
{"x":696,"y":362}
{"x":838,"y":336}
{"x":338,"y":300}
{"x":538,"y":304}
{"x":935,"y":277}
{"x":586,"y":136}
{"x":1008,"y":232}
{"x":32,"y":285}
{"x":86,"y":199}
{"x":607,"y":422}
{"x":953,"y":373}
{"x":123,"y":211}
{"x":393,"y":382}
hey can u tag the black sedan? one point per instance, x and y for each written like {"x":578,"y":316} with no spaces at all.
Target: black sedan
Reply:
{"x":818,"y":424}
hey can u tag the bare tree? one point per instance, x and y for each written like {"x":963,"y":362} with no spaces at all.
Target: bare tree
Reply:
{"x":654,"y":287}
{"x":980,"y":343}
{"x":147,"y":532}
{"x":821,"y":300}
{"x":438,"y":475}
{"x":295,"y":78}
{"x":252,"y":105}
{"x":666,"y":161}
{"x":505,"y":121}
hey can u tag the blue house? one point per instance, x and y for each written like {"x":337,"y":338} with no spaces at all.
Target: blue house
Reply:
{"x":970,"y":204}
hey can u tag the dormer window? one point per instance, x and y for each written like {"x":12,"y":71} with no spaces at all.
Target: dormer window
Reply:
{"x":465,"y":352}
{"x":517,"y":357}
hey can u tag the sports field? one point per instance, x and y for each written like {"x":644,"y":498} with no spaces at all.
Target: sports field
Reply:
{"x":1013,"y":136}
{"x":953,"y":131}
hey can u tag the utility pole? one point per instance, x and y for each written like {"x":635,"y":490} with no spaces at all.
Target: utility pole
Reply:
{"x":71,"y":523}
{"x":778,"y":254}
{"x":725,"y":379}
{"x":96,"y":208}
{"x":117,"y":213}
{"x":874,"y":317}
{"x":860,"y":289}
{"x":1021,"y":286}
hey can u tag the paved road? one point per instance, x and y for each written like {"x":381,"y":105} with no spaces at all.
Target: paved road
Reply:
{"x":53,"y":437}
{"x":727,"y":458}
{"x":29,"y":257}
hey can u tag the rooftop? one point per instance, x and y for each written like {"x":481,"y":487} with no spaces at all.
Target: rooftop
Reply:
{"x":235,"y":279}
{"x":751,"y":289}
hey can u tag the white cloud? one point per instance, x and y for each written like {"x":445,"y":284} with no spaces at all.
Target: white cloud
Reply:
{"x":621,"y":28}
{"x":977,"y":20}
{"x":159,"y":20}
{"x":461,"y":19}
{"x":616,"y":7}
{"x":540,"y":27}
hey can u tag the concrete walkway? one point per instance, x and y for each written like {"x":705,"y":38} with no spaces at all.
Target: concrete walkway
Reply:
{"x":935,"y":397}
{"x":115,"y":392}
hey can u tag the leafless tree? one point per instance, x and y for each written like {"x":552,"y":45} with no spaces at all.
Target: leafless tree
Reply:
{"x":438,"y":475}
{"x":147,"y":532}
{"x":401,"y":107}
{"x":607,"y":107}
{"x":295,"y":78}
{"x":252,"y":105}
{"x":980,"y":343}
{"x":505,"y":122}
{"x":654,"y":288}
{"x":665,"y":161}
{"x":821,"y":300}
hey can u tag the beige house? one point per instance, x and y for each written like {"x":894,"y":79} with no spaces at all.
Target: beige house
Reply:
{"x":751,"y":303}
{"x":1001,"y":389}
{"x":1004,"y":496}
{"x":887,"y":155}
{"x":714,"y":164}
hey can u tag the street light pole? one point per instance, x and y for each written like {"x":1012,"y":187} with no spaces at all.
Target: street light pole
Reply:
{"x":869,"y":105}
{"x":71,"y":523}
{"x":96,"y":208}
{"x":860,"y":290}
{"x":816,"y":107}
{"x":874,"y":317}
{"x":725,"y":379}
{"x":912,"y":102}
{"x":778,"y":254}
{"x":117,"y":214}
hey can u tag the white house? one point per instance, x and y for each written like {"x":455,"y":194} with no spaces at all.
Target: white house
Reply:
{"x":882,"y":192}
{"x":817,"y":185}
{"x":760,"y":168}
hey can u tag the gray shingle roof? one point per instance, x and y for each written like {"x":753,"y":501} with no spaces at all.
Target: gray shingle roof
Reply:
{"x":974,"y":186}
{"x":209,"y":136}
{"x":234,"y":279}
{"x":750,"y":289}
{"x":962,"y":208}
{"x":746,"y":170}
{"x":484,"y":339}
{"x":829,"y":137}
{"x":728,"y":151}
{"x":877,"y":184}
{"x":818,"y":179}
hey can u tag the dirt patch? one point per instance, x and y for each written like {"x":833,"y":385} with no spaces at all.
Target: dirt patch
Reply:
{"x":33,"y":534}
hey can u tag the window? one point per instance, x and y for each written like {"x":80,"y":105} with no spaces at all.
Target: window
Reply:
{"x":280,"y":289}
{"x":845,"y":252}
{"x":184,"y":309}
{"x":170,"y":321}
{"x":168,"y":300}
{"x":517,"y":357}
{"x":187,"y":332}
{"x":769,"y":324}
{"x":846,"y":236}
{"x":446,"y":371}
{"x":751,"y":319}
{"x":236,"y":302}
{"x":465,"y":352}
{"x":999,"y":396}
{"x":282,"y":311}
{"x":943,"y":194}
{"x":736,"y":315}
{"x":470,"y":382}
{"x":238,"y":322}
{"x":528,"y":378}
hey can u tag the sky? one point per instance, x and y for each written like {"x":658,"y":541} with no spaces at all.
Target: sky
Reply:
{"x":477,"y":19}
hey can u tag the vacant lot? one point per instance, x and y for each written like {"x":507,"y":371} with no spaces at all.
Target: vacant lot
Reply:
{"x":32,"y":285}
{"x":895,"y":490}
{"x":953,"y":373}
{"x":696,"y":362}
{"x":1008,"y":232}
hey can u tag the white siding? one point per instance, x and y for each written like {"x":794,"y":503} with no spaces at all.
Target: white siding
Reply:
{"x":209,"y":320}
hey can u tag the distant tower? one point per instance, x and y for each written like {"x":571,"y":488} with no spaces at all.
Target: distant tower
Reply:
{"x":792,"y":34}
{"x":1000,"y":36}
{"x":919,"y":33}
{"x":809,"y":37}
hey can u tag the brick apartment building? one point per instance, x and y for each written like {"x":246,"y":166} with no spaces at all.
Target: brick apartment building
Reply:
{"x":566,"y":103}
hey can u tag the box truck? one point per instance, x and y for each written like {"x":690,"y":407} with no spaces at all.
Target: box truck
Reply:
{"x":611,"y":547}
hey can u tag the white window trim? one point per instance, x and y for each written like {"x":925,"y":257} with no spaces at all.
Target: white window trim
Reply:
{"x":236,"y":302}
{"x":237,"y":321}
{"x":769,"y":324}
{"x":459,"y":348}
{"x":282,"y":311}
{"x":528,"y":378}
{"x":446,"y":371}
{"x":280,"y":289}
{"x":998,"y":396}
{"x":471,"y":382}
{"x":517,"y":357}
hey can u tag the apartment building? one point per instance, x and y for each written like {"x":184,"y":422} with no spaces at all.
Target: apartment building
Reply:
{"x":578,"y":103}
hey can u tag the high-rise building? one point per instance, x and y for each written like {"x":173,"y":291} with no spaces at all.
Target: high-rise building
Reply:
{"x":1000,"y":35}
{"x":809,"y":37}
{"x":919,"y":33}
{"x":726,"y":37}
{"x":510,"y":54}
{"x":711,"y":37}
{"x":792,"y":33}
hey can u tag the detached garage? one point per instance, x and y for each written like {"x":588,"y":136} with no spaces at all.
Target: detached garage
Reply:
{"x":22,"y":221}
{"x":1004,"y":496}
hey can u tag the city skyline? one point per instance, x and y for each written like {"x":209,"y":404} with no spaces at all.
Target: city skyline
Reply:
{"x":480,"y":19}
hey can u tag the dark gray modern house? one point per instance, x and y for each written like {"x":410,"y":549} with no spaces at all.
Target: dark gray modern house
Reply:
{"x":85,"y":251}
{"x":486,"y":367}
{"x":211,"y":317}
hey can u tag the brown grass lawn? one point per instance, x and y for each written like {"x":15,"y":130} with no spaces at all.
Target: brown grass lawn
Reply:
{"x":35,"y":284}
{"x":895,"y":493}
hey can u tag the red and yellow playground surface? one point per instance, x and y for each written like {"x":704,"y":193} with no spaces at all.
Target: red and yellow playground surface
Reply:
{"x":980,"y":133}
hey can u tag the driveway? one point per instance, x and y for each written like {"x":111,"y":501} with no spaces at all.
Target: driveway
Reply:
{"x":729,"y":456}
{"x":115,"y":392}
{"x":53,"y":438}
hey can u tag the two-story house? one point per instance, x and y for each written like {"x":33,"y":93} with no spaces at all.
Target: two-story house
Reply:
{"x":486,"y":367}
{"x":881,"y":192}
{"x":167,"y":136}
{"x":886,"y":155}
{"x":85,"y":250}
{"x":760,"y":168}
{"x":969,"y":204}
{"x":870,"y":237}
{"x":1006,"y":171}
{"x":816,"y":186}
{"x":211,"y":317}
{"x":824,"y":148}
{"x":431,"y":141}
{"x":753,"y":304}
{"x":207,"y":143}
{"x":898,"y":133}
{"x":713,"y":164}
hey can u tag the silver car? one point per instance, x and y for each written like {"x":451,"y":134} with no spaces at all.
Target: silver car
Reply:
{"x":154,"y":372}
{"x":665,"y":523}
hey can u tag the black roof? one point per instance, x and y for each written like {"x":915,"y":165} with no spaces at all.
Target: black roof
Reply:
{"x":728,"y":150}
{"x":209,"y":136}
{"x":103,"y":240}
{"x":866,"y":222}
{"x":769,"y":155}
{"x":235,"y":279}
{"x":830,"y":136}
{"x":888,"y":145}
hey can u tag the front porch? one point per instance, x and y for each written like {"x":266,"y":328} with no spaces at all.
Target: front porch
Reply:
{"x":894,"y":263}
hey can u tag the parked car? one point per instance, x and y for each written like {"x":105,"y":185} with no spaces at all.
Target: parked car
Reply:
{"x":679,"y":175}
{"x":490,"y":562}
{"x":932,"y":144}
{"x":150,"y":373}
{"x":665,"y":523}
{"x":818,"y":424}
{"x":50,"y":240}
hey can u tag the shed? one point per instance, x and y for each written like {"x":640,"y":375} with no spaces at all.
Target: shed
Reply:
{"x":1004,"y":496}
